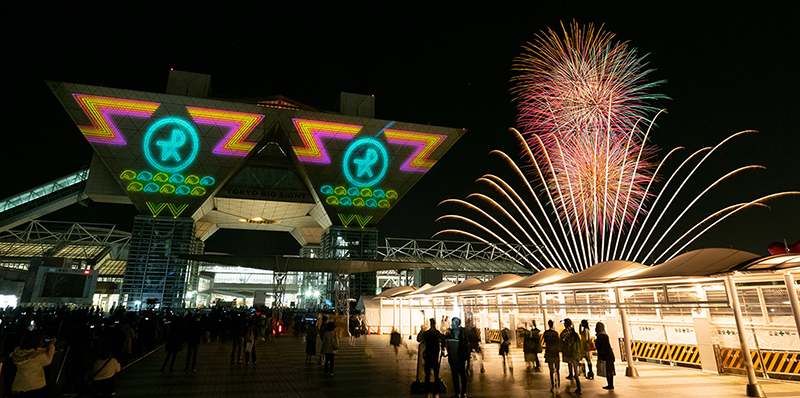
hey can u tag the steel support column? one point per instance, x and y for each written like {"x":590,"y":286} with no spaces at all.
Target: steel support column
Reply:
{"x":630,"y":371}
{"x":753,"y":388}
{"x":791,"y":288}
{"x":343,"y":296}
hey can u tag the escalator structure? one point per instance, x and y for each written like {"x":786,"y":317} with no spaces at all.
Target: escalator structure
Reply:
{"x":44,"y":199}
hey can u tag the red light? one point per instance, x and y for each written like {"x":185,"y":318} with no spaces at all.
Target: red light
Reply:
{"x":86,"y":271}
{"x":171,"y":69}
{"x":280,"y":328}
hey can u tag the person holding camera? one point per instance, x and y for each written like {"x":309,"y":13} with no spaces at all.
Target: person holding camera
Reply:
{"x":35,"y":351}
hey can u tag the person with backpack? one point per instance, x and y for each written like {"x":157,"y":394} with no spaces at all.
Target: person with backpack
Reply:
{"x":572,"y":352}
{"x":532,"y":346}
{"x":552,"y":346}
{"x":588,"y":347}
{"x":458,"y":352}
{"x":104,"y":371}
{"x":432,"y":338}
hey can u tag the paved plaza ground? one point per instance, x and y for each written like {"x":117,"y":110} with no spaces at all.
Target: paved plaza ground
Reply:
{"x":370,"y":369}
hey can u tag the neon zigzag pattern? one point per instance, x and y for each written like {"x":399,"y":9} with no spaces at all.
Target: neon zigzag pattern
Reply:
{"x":312,"y":131}
{"x":424,"y":143}
{"x":157,"y":208}
{"x":240,"y":124}
{"x":348,"y":218}
{"x":99,"y":111}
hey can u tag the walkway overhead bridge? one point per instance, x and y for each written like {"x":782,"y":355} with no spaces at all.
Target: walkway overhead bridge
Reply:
{"x":703,"y":309}
{"x":43,"y":200}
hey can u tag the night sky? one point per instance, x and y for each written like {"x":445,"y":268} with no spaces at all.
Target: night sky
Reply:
{"x":728,"y":68}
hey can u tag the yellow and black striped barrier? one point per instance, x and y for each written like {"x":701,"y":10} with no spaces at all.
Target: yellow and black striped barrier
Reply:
{"x":773,"y":361}
{"x":666,"y":352}
{"x":493,"y":336}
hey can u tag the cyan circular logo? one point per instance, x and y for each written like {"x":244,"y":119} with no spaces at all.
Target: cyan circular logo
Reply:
{"x":365,"y":162}
{"x":171,"y":144}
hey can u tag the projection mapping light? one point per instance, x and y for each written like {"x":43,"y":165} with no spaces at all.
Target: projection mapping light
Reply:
{"x":168,"y":153}
{"x":362,"y":167}
{"x":365,"y":162}
{"x":171,"y":144}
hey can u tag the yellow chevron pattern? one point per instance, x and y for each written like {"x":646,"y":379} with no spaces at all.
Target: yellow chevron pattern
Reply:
{"x":774,"y":361}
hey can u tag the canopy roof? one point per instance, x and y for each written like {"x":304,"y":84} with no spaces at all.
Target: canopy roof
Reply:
{"x":545,"y":276}
{"x":395,"y":291}
{"x":703,"y":262}
{"x":605,"y":272}
{"x":772,"y":263}
{"x":712,"y":263}
{"x":468,"y":284}
{"x":442,"y":286}
{"x":499,"y":282}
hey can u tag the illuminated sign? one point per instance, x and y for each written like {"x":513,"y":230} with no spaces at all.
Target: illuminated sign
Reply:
{"x":240,"y":125}
{"x":312,"y":133}
{"x":168,"y":152}
{"x":171,"y":144}
{"x":362,"y":167}
{"x":100,"y":109}
{"x":424,"y":145}
{"x":365,"y":162}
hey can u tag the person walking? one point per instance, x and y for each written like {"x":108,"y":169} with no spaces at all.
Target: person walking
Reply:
{"x":588,"y":347}
{"x":432,"y":338}
{"x":250,"y":343}
{"x":552,"y":346}
{"x":175,"y":338}
{"x":605,"y":355}
{"x":237,"y":333}
{"x":30,"y":358}
{"x":532,"y":346}
{"x":395,"y":339}
{"x":505,"y":345}
{"x":572,"y":352}
{"x":311,"y":342}
{"x":194,"y":335}
{"x":474,"y":345}
{"x":127,"y":349}
{"x":458,"y":353}
{"x":330,"y":344}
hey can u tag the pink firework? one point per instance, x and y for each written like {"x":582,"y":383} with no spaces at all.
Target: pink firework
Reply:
{"x":581,"y":101}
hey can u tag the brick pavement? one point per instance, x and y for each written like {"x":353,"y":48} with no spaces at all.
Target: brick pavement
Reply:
{"x":371,"y":369}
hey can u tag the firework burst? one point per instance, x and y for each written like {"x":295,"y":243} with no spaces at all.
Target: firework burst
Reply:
{"x":582,"y":102}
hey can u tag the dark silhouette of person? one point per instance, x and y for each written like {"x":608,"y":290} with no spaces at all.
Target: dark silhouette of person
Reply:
{"x":552,"y":346}
{"x":572,"y":352}
{"x":532,"y":346}
{"x":194,"y":335}
{"x":433,"y":340}
{"x":458,"y":352}
{"x":605,"y":353}
{"x":175,"y":337}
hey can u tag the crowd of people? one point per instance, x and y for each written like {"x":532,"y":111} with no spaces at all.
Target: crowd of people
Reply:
{"x":90,"y":346}
{"x":94,"y":346}
{"x":461,"y":346}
